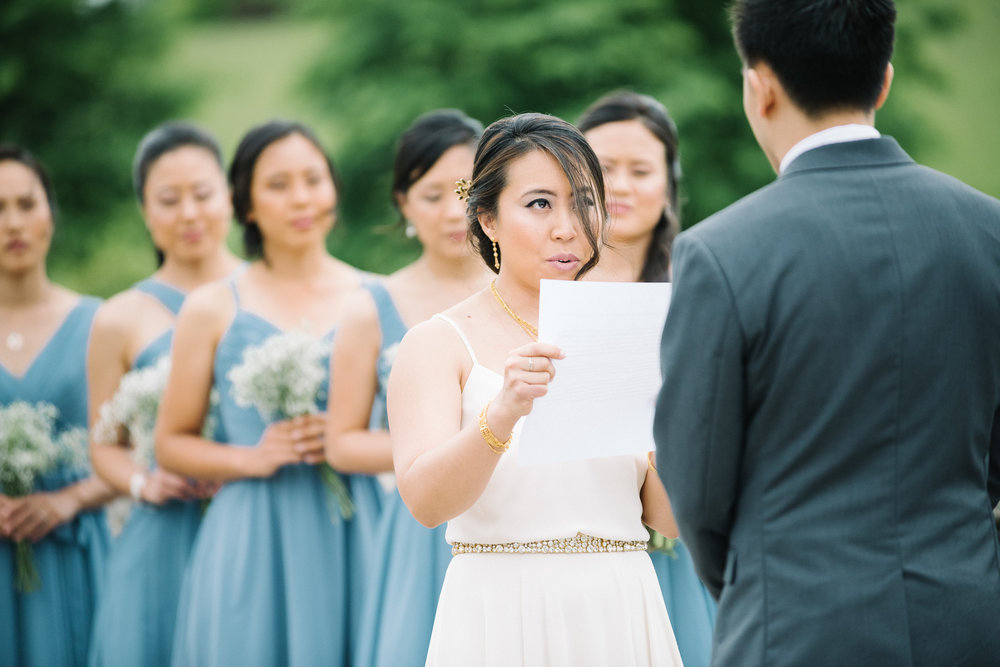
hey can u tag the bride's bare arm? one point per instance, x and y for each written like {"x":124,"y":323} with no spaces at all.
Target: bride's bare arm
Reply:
{"x":442,"y":468}
{"x":656,"y":512}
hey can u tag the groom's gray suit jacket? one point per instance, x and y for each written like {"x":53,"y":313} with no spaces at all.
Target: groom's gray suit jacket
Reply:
{"x":828,"y":429}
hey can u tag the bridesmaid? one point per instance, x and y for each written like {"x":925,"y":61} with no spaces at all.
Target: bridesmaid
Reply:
{"x":636,"y":142}
{"x":43,"y":341}
{"x":408,"y":563}
{"x":267,"y":580}
{"x":181,"y":187}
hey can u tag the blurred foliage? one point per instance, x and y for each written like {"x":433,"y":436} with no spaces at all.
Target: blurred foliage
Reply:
{"x":79,"y":87}
{"x":216,"y":10}
{"x":82,"y":80}
{"x":390,"y":61}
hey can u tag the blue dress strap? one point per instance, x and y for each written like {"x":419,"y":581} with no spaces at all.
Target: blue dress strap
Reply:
{"x":232,"y":288}
{"x":388,"y":314}
{"x":169,"y":296}
{"x":461,"y":335}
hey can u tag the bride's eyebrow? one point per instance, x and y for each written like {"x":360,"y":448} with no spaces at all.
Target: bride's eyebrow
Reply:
{"x":539,"y":191}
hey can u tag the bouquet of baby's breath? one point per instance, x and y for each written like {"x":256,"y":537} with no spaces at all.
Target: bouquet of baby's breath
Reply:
{"x":282,"y":378}
{"x":130,"y":415}
{"x":27,"y":451}
{"x":74,"y":450}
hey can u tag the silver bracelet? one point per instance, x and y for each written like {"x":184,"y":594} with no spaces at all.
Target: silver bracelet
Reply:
{"x":136,"y":483}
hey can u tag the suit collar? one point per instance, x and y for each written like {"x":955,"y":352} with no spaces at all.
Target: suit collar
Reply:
{"x":865,"y":153}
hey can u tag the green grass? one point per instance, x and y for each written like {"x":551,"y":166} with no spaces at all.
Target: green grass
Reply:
{"x":248,"y":73}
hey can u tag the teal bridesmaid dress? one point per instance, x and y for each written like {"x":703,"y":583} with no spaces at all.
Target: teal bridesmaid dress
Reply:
{"x":136,"y":615}
{"x":410,"y":561}
{"x":267,"y":579}
{"x":369,"y":499}
{"x":52,"y":625}
{"x":689,"y":605}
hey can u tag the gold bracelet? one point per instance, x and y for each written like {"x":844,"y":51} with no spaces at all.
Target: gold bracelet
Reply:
{"x":651,"y":460}
{"x":492,"y":440}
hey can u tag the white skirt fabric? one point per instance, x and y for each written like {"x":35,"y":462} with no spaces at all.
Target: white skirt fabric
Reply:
{"x":550,"y":610}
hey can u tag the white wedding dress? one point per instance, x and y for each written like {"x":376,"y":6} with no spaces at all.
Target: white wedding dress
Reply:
{"x":550,"y":609}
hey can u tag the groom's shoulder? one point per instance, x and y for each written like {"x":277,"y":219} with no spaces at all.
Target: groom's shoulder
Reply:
{"x":744,"y":219}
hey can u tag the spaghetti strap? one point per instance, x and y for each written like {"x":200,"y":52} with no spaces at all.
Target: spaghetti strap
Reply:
{"x":388,"y":315}
{"x":232,"y":288}
{"x":461,"y":335}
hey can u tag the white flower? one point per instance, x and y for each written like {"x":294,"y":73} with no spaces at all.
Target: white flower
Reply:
{"x":130,"y":415}
{"x":388,"y":356}
{"x":282,"y":376}
{"x":27,"y":447}
{"x":74,"y":449}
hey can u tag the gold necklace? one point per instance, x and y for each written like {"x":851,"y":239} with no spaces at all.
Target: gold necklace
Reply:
{"x":526,"y":325}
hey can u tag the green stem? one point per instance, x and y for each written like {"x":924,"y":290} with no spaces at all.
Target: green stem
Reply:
{"x":337,"y":490}
{"x":26,"y":579}
{"x":658,"y":542}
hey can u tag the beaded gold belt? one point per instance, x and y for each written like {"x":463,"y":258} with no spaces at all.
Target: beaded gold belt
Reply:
{"x":578,"y":544}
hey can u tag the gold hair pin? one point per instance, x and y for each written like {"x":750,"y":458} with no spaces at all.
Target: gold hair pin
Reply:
{"x":463,"y":189}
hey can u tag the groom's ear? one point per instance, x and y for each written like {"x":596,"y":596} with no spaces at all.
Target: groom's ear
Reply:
{"x":764,"y":88}
{"x":886,"y":84}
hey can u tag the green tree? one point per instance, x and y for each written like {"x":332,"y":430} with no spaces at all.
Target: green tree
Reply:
{"x":79,"y":86}
{"x":390,"y":61}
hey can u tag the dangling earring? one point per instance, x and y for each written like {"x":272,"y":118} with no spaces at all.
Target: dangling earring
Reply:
{"x":496,"y":257}
{"x":411,"y":230}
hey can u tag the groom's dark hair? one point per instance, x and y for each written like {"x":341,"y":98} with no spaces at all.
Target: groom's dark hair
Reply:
{"x":829,"y":55}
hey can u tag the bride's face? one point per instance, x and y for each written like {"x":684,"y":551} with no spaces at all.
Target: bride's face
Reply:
{"x":25,"y":219}
{"x":537,"y":225}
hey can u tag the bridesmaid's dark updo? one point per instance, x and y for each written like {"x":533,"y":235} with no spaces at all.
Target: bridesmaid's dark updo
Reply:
{"x":510,"y":138}
{"x":241,"y":174}
{"x":423,"y":144}
{"x":162,"y":140}
{"x":14,"y":153}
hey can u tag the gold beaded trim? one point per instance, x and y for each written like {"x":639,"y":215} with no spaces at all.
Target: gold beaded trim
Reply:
{"x":488,"y":436}
{"x":579,"y":544}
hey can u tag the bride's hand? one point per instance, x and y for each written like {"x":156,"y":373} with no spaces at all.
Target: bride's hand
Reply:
{"x":526,"y":376}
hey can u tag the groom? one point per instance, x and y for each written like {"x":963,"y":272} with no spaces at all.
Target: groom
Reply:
{"x":829,"y":425}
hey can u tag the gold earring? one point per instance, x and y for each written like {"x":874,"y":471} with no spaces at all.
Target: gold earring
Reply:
{"x":496,"y":257}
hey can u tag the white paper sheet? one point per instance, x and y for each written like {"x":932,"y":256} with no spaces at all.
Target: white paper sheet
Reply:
{"x":602,"y":399}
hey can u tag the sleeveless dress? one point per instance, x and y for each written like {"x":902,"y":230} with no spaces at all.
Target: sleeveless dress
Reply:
{"x":51,"y":626}
{"x":136,"y":616}
{"x":363,"y":541}
{"x":550,"y":609}
{"x":266,"y":582}
{"x":690,"y":606}
{"x":410,"y":560}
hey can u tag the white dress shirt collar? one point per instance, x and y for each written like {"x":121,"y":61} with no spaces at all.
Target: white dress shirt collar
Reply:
{"x":831,"y":135}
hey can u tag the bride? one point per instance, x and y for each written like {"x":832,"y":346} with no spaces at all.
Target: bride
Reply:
{"x":550,"y":563}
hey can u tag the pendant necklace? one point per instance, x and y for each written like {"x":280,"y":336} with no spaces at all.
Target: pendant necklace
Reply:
{"x":14,"y":341}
